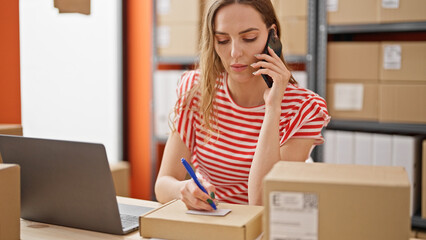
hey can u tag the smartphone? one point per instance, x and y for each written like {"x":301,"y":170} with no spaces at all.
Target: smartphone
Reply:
{"x":273,"y":42}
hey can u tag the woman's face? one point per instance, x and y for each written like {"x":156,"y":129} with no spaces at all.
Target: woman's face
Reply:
{"x":240,"y":33}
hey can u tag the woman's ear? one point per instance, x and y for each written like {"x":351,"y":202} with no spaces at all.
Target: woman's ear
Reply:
{"x":273,"y":26}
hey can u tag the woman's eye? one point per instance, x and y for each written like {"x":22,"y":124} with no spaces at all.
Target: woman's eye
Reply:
{"x":222,"y":41}
{"x":250,"y":39}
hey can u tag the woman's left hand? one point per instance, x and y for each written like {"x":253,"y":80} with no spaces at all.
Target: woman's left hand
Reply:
{"x":274,"y":67}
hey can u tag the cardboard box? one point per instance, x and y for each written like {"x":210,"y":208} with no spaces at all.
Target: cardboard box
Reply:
{"x":353,"y":61}
{"x":353,"y":12}
{"x":10,"y":201}
{"x":294,"y":36}
{"x":11,"y":129}
{"x":423,"y":196}
{"x":182,"y":11}
{"x":403,"y":11}
{"x":402,"y":103}
{"x":121,"y":177}
{"x":403,"y":61}
{"x":335,"y":201}
{"x":291,"y":8}
{"x":353,"y":101}
{"x":172,"y":222}
{"x":177,"y":39}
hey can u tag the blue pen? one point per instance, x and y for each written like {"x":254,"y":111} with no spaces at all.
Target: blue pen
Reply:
{"x":194,"y":177}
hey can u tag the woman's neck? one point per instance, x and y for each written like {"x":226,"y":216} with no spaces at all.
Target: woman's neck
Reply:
{"x":249,"y":94}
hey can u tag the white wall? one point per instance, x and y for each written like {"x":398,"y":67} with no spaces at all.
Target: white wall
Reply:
{"x":71,"y":73}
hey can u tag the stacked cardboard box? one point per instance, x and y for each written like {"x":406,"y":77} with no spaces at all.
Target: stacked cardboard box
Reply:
{"x":333,"y":202}
{"x":375,"y":11}
{"x":178,"y":24}
{"x":11,"y":129}
{"x":292,"y":15}
{"x":403,"y":82}
{"x":352,"y":80}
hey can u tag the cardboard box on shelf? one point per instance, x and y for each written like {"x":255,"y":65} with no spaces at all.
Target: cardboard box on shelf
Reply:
{"x":353,"y":101}
{"x":121,"y":176}
{"x":291,"y":8}
{"x":353,"y":12}
{"x":402,"y":103}
{"x":11,"y":129}
{"x":176,"y":39}
{"x":328,"y":201}
{"x":172,"y":222}
{"x":403,"y":11}
{"x":294,"y":36}
{"x":353,"y":61}
{"x":10,"y":199}
{"x":403,"y":61}
{"x":173,"y":11}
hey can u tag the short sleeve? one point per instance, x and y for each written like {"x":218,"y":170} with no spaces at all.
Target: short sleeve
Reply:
{"x":309,"y":120}
{"x":185,"y":117}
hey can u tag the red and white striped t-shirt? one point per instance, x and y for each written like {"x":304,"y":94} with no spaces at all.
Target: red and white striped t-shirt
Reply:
{"x":225,"y":160}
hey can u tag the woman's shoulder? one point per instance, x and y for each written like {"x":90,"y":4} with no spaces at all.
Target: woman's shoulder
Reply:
{"x":188,"y":80}
{"x":302,"y":94}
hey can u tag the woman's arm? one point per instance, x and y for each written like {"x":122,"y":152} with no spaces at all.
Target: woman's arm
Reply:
{"x":171,"y":183}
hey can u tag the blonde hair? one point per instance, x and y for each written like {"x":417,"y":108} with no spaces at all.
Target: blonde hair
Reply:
{"x":211,"y":66}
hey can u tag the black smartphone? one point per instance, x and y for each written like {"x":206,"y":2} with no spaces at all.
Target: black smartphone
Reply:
{"x":275,"y":43}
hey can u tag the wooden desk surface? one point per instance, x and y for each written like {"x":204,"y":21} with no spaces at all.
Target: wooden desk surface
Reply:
{"x":40,"y":231}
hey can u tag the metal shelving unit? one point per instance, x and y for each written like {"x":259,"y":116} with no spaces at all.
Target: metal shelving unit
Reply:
{"x":364,"y":126}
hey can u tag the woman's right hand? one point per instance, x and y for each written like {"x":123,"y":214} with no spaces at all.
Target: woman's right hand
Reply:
{"x":194,"y":198}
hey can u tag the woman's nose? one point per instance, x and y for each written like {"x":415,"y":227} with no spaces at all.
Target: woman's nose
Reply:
{"x":236,"y":50}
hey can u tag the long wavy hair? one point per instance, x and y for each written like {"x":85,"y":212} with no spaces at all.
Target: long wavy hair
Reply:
{"x":210,"y":65}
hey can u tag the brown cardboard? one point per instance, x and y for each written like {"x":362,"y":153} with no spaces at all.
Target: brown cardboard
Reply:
{"x":354,"y":12}
{"x":182,"y":11}
{"x":172,"y":222}
{"x":351,"y":202}
{"x":178,"y":39}
{"x":11,"y":129}
{"x":121,"y":176}
{"x":370,"y":103}
{"x":423,"y":206}
{"x":10,"y":201}
{"x":73,"y":6}
{"x":291,"y":8}
{"x":412,"y":61}
{"x":407,"y":11}
{"x":402,"y":103}
{"x":294,"y":36}
{"x":353,"y":61}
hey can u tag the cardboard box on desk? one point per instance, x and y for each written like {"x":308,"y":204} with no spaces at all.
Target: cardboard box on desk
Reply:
{"x":334,"y":201}
{"x":10,"y":201}
{"x":172,"y":222}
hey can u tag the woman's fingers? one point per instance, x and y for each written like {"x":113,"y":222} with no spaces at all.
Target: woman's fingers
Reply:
{"x":194,"y":198}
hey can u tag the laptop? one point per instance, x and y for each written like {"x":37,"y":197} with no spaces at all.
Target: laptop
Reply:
{"x":69,"y":184}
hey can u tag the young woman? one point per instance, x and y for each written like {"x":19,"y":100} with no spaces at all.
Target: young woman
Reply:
{"x":227,"y":122}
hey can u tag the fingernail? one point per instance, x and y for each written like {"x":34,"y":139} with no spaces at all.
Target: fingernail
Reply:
{"x":252,"y":64}
{"x":257,"y":55}
{"x":210,"y":201}
{"x":212,"y":195}
{"x":254,"y":73}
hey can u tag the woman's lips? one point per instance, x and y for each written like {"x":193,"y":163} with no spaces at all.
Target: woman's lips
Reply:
{"x":238,"y":67}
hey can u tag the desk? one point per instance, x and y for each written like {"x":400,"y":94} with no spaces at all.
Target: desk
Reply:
{"x":40,"y":231}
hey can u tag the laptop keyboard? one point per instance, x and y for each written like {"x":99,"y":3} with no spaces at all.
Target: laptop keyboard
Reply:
{"x":129,"y":220}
